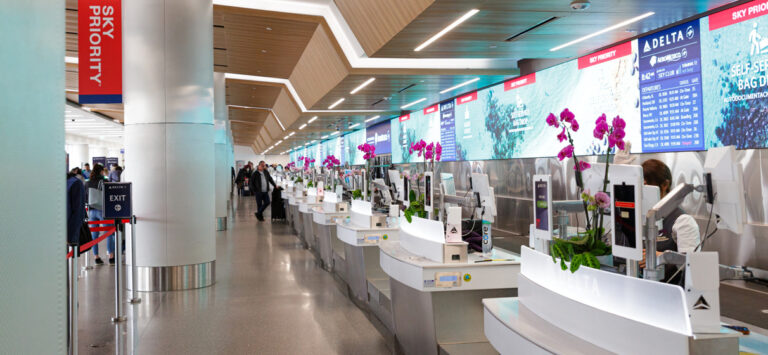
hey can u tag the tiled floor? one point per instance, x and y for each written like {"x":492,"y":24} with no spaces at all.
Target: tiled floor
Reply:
{"x":270,"y":297}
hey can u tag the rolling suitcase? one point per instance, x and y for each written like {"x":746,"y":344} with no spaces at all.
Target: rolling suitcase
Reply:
{"x":278,"y":208}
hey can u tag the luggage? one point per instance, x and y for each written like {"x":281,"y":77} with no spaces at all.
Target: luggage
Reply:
{"x":278,"y":207}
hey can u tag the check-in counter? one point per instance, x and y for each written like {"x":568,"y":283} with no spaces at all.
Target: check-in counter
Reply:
{"x":325,"y":218}
{"x":362,"y":234}
{"x":597,"y":312}
{"x":436,"y":300}
{"x":307,"y":230}
{"x":293,"y":213}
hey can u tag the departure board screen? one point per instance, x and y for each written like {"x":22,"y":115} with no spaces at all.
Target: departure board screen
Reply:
{"x":670,"y":89}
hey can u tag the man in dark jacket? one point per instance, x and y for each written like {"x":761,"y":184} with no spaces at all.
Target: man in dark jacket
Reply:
{"x":245,"y":172}
{"x":259,"y":184}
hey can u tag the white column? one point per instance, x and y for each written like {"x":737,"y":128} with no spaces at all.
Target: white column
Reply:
{"x":96,"y":151}
{"x":78,"y":155}
{"x":222,"y":174}
{"x":33,"y":295}
{"x":169,"y":150}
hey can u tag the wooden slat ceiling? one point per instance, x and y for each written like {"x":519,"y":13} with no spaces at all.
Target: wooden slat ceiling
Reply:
{"x":483,"y":35}
{"x":256,"y":43}
{"x":384,"y":93}
{"x":375,"y":22}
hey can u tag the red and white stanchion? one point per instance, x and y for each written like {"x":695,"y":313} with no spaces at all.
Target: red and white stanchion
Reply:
{"x":72,"y":270}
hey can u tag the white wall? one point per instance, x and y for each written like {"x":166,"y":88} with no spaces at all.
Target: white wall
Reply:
{"x":33,"y":289}
{"x":246,"y":153}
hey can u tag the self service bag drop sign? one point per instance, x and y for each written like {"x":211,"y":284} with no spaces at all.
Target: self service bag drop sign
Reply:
{"x":117,"y":200}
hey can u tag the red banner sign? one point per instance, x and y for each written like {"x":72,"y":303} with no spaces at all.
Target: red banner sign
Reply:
{"x":466,"y":98}
{"x":431,"y":109}
{"x":738,"y":14}
{"x":520,"y":82}
{"x":100,"y":51}
{"x":405,"y":117}
{"x":606,"y":55}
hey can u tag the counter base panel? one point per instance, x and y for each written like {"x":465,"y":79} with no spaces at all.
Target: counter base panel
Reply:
{"x":425,"y":320}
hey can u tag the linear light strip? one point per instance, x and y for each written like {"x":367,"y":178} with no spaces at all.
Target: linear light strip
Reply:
{"x":302,"y":126}
{"x":372,"y":118}
{"x":459,"y":85}
{"x":312,"y":120}
{"x":363,"y":85}
{"x":413,"y":103}
{"x":607,"y":29}
{"x":447,"y":29}
{"x":354,"y":125}
{"x":337,"y":103}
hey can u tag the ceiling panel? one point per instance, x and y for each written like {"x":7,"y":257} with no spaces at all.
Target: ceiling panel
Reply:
{"x":249,"y":93}
{"x":375,"y":22}
{"x":483,"y":35}
{"x":257,"y":44}
{"x":386,"y":90}
{"x":321,"y":67}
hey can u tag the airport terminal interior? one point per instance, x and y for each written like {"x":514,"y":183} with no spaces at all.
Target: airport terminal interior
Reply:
{"x":409,"y":177}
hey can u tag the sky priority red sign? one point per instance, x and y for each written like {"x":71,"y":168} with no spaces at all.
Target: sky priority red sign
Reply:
{"x":100,"y":52}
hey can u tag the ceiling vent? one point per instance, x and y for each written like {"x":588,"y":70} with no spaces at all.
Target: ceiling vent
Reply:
{"x":406,"y":88}
{"x":517,"y":36}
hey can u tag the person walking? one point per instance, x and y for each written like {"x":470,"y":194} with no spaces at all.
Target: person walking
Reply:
{"x":114,"y":174}
{"x":95,"y":206}
{"x":260,"y":188}
{"x":244,"y":173}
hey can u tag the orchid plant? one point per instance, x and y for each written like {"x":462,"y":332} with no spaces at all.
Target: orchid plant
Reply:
{"x":369,"y":153}
{"x":331,"y":162}
{"x":432,"y":153}
{"x":586,"y":246}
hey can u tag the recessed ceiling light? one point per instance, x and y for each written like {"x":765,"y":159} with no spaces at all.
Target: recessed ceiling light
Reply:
{"x":492,"y":46}
{"x":372,"y":118}
{"x":336,"y":103}
{"x":312,"y":119}
{"x":354,"y":125}
{"x":447,"y":29}
{"x":302,"y":126}
{"x":263,"y":51}
{"x":335,"y":133}
{"x":269,"y":28}
{"x":361,"y":86}
{"x":324,"y":137}
{"x":459,"y":85}
{"x":607,"y":29}
{"x":413,"y":103}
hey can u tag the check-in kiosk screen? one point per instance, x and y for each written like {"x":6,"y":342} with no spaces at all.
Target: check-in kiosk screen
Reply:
{"x":624,"y":207}
{"x":542,"y":208}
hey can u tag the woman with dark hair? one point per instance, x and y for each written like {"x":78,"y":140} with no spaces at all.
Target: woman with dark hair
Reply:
{"x":95,"y":205}
{"x":680,"y":232}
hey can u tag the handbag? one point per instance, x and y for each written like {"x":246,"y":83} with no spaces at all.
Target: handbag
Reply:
{"x":85,"y":237}
{"x":95,"y":197}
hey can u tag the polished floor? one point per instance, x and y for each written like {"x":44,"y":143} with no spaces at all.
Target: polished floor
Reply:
{"x":270,"y":297}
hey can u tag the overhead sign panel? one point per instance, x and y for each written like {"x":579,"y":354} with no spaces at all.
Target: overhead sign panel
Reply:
{"x":100,"y":53}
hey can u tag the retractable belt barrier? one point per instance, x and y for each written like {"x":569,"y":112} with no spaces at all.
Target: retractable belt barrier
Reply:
{"x":111,"y":230}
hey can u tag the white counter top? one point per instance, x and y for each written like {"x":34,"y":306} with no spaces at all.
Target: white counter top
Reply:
{"x":425,"y":275}
{"x":320,"y":216}
{"x":352,"y":234}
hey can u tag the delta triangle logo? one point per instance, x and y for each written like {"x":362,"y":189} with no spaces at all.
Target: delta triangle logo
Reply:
{"x":647,"y":47}
{"x":701,"y":303}
{"x":454,"y":230}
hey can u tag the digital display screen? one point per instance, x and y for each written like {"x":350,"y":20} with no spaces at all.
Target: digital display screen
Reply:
{"x":624,"y":209}
{"x":428,"y":188}
{"x":451,"y":278}
{"x":734,"y":55}
{"x":697,"y":85}
{"x":542,"y":207}
{"x":379,"y":136}
{"x":670,"y":87}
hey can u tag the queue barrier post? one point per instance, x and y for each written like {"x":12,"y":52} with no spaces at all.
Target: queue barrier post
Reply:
{"x":119,"y":315}
{"x":134,"y":297}
{"x":72,"y":271}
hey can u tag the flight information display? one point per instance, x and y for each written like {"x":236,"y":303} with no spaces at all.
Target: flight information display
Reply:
{"x":351,"y":154}
{"x":670,"y":89}
{"x":379,"y":136}
{"x":448,"y":130}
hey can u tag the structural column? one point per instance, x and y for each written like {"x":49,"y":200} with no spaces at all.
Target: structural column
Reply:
{"x":222,"y":174}
{"x":78,"y":155}
{"x":33,"y":227}
{"x":169,"y":135}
